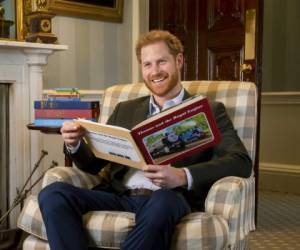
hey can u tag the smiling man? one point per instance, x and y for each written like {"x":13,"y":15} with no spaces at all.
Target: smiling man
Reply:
{"x":159,"y":195}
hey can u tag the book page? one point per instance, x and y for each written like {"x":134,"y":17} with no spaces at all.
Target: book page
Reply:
{"x":112,"y":143}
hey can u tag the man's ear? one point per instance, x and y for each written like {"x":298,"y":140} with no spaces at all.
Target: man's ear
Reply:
{"x":179,"y":60}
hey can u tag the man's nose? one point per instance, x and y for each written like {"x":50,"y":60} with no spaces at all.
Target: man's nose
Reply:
{"x":155,"y":69}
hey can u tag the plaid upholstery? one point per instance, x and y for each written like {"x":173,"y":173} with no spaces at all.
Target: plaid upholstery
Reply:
{"x":233,"y":199}
{"x":34,"y":243}
{"x":201,"y":231}
{"x":72,"y":176}
{"x":229,"y":207}
{"x":108,"y":229}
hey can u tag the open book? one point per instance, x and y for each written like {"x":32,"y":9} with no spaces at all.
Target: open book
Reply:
{"x":171,"y":135}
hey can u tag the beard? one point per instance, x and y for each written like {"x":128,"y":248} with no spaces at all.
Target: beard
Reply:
{"x":162,"y":89}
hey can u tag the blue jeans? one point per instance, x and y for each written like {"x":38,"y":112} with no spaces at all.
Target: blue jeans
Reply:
{"x":62,"y":206}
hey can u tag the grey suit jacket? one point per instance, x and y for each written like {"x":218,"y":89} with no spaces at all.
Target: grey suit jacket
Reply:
{"x":228,"y":158}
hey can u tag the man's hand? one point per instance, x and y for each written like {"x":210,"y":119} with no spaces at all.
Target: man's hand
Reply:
{"x":165,"y":176}
{"x":72,"y":133}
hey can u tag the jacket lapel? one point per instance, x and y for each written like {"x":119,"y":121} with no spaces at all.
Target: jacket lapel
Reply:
{"x":141,"y":112}
{"x":186,"y":95}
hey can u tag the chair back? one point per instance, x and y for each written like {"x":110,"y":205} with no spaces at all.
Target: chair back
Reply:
{"x":239,"y":98}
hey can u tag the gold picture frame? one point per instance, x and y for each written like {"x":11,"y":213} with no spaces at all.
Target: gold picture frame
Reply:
{"x":104,"y":10}
{"x":22,"y":10}
{"x":17,"y":8}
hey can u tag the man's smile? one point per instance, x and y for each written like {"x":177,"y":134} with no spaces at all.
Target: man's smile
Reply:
{"x":159,"y":80}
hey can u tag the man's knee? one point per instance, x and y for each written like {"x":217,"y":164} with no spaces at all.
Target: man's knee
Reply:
{"x":167,"y":199}
{"x":49,"y":196}
{"x":168,"y":205}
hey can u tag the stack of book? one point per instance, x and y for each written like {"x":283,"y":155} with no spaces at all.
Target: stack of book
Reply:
{"x":64,"y":104}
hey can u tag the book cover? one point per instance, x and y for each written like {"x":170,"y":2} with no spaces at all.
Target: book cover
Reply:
{"x":53,"y":122}
{"x":69,"y":104}
{"x":165,"y":138}
{"x":67,"y":113}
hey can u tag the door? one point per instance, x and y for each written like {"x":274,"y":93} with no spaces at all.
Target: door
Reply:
{"x":219,"y":36}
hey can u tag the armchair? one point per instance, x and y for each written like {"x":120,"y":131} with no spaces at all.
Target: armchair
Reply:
{"x":229,"y":207}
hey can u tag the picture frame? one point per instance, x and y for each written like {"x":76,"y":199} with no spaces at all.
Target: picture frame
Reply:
{"x":22,"y":8}
{"x":104,"y":10}
{"x":14,"y":12}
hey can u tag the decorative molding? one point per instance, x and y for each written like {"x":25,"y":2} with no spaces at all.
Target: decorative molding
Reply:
{"x":282,"y":178}
{"x":24,"y":45}
{"x":280,"y":98}
{"x":21,"y":65}
{"x":279,"y":168}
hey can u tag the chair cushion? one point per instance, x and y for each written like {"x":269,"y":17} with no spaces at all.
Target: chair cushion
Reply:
{"x":109,"y":229}
{"x":34,"y":243}
{"x":201,"y":231}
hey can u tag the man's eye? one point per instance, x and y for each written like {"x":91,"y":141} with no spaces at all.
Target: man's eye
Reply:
{"x":162,"y":62}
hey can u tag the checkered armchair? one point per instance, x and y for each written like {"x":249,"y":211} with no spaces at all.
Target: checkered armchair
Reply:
{"x":229,"y":207}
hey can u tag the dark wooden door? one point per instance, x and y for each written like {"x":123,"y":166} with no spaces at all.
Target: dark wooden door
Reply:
{"x":219,"y":36}
{"x":222,"y":40}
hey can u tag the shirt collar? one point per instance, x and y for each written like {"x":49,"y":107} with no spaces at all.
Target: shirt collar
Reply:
{"x":154,"y":108}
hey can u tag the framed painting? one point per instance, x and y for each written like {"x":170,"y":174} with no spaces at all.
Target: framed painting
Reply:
{"x":105,"y":10}
{"x":11,"y":19}
{"x":23,"y":7}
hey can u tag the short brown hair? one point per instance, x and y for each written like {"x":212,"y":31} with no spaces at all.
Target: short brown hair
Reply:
{"x":153,"y":36}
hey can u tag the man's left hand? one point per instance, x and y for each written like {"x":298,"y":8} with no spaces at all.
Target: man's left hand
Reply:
{"x":165,"y":176}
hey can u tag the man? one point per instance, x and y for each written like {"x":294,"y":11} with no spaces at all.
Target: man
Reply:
{"x":159,"y":195}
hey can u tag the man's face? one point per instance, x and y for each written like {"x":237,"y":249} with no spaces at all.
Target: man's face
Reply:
{"x":160,"y":70}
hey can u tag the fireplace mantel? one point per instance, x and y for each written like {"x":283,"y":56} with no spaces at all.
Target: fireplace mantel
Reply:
{"x":21,"y":66}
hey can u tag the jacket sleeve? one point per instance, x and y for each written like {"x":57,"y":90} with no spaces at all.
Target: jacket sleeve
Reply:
{"x":228,"y":158}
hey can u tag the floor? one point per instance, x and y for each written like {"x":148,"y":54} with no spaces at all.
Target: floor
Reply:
{"x":278,"y":222}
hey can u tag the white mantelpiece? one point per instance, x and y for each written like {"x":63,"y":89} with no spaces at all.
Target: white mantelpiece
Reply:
{"x":21,"y":66}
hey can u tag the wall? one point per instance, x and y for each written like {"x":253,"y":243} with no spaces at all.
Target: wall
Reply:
{"x":280,"y":109}
{"x":279,"y":145}
{"x":100,"y":53}
{"x":281,"y":39}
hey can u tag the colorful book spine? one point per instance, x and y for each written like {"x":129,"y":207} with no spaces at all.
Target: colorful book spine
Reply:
{"x":53,"y":122}
{"x":70,"y":104}
{"x":67,"y":113}
{"x":66,"y":90}
{"x":63,"y":97}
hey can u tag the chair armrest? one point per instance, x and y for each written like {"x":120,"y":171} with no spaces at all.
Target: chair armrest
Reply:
{"x":234,"y":199}
{"x":71,"y":175}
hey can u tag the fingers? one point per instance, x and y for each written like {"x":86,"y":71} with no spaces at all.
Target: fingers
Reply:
{"x":153,"y":171}
{"x":68,"y":127}
{"x":152,"y":168}
{"x":155,"y":174}
{"x":159,"y":183}
{"x":165,"y":176}
{"x":71,"y":133}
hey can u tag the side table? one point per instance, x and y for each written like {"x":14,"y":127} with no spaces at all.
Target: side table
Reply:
{"x":51,"y":130}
